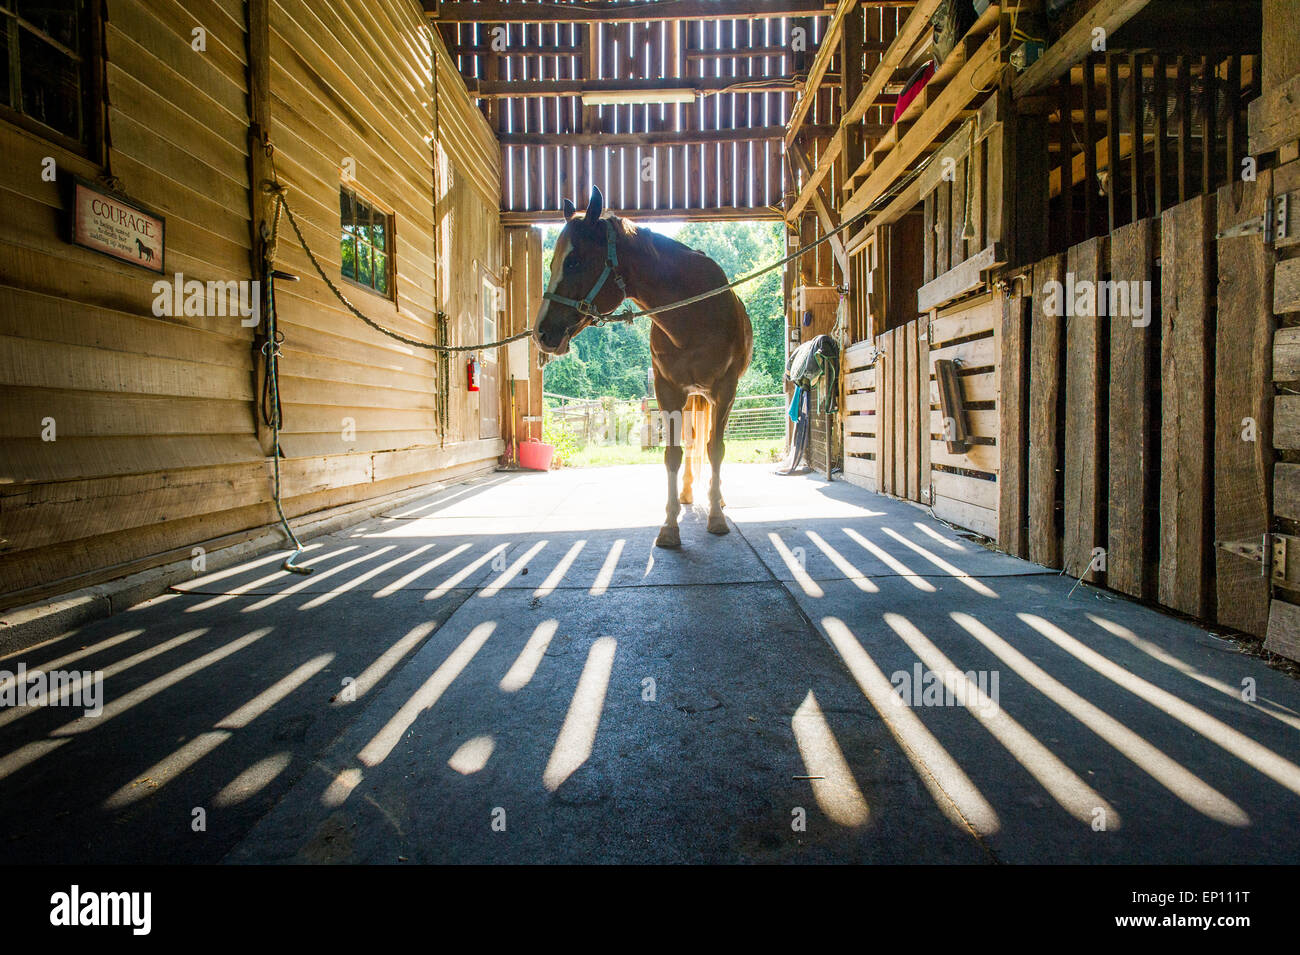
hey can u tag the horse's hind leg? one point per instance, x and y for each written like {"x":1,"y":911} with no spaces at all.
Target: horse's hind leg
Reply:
{"x":717,"y":448}
{"x":671,"y":403}
{"x":690,"y":429}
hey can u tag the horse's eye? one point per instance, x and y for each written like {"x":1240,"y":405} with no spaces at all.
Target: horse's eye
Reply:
{"x":571,"y":264}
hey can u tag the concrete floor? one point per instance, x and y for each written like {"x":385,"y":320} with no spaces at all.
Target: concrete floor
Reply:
{"x":529,"y":680}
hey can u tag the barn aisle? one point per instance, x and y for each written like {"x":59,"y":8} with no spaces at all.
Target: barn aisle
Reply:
{"x":509,"y":671}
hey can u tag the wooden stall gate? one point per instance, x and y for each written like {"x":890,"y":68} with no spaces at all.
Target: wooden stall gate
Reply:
{"x":1136,"y":381}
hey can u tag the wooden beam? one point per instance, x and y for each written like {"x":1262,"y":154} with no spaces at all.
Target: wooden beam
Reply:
{"x":911,"y":31}
{"x":663,"y":138}
{"x":821,"y":63}
{"x":498,"y":11}
{"x":825,"y":215}
{"x":513,"y":89}
{"x":717,"y":214}
{"x":978,"y":73}
{"x":1075,"y":44}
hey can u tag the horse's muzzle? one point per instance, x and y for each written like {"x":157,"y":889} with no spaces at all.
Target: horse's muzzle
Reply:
{"x":552,"y":340}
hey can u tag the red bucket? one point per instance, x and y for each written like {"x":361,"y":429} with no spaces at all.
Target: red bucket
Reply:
{"x":535,"y":455}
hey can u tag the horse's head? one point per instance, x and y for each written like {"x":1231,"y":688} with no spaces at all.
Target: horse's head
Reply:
{"x":582,"y":279}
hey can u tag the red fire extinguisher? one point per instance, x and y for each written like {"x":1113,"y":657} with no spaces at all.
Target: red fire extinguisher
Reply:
{"x":471,"y":373}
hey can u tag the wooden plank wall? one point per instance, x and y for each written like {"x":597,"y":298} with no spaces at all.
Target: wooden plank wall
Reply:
{"x":964,"y":486}
{"x":133,"y":395}
{"x":1140,"y":425}
{"x":157,"y":447}
{"x":1284,"y":611}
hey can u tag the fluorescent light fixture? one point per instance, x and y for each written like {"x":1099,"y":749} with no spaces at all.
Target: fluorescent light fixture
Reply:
{"x":623,"y":97}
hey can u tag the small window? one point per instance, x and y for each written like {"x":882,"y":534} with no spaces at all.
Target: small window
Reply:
{"x":47,"y":78}
{"x":366,"y":243}
{"x":491,"y":303}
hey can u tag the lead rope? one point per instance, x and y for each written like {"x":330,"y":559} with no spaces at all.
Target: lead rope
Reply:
{"x":271,"y":349}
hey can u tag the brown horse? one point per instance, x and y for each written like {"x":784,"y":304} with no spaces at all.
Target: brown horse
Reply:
{"x":697,"y":350}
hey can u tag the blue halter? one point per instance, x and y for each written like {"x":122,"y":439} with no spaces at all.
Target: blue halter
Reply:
{"x":586,"y":306}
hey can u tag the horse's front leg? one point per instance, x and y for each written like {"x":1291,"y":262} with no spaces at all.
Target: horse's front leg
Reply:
{"x":671,"y":403}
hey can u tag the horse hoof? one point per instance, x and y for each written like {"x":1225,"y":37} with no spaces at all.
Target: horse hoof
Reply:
{"x":718,"y":525}
{"x":686,"y":498}
{"x":669,"y":537}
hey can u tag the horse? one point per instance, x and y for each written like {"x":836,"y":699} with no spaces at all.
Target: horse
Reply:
{"x":698,"y":351}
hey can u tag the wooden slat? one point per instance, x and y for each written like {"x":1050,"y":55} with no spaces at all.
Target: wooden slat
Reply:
{"x":1187,"y":408}
{"x":1134,"y":436}
{"x":1075,"y":44}
{"x":1044,"y":394}
{"x":1283,"y":635}
{"x":1243,"y":353}
{"x":1086,"y":412}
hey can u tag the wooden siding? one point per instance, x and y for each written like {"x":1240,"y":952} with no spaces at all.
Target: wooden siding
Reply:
{"x":157,"y":439}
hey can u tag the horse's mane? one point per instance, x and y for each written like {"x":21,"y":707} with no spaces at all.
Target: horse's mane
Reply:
{"x":649,"y":241}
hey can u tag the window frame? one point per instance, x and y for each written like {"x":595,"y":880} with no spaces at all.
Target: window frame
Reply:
{"x":93,"y":144}
{"x":390,"y":238}
{"x":495,"y":297}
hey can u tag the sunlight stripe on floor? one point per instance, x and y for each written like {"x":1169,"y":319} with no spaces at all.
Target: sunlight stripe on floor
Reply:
{"x":525,"y":665}
{"x":1256,"y":755}
{"x":313,"y":580}
{"x":553,"y":579}
{"x":33,"y":751}
{"x":112,"y":670}
{"x":833,"y":785}
{"x":1156,"y":652}
{"x":60,"y":663}
{"x":261,"y":581}
{"x":358,"y":581}
{"x":795,"y":566}
{"x":208,"y":579}
{"x":936,"y":536}
{"x":419,"y":572}
{"x":509,"y":574}
{"x":1065,"y":786}
{"x":451,"y":582}
{"x":955,"y":572}
{"x":253,"y":780}
{"x":859,"y":579}
{"x":381,"y":745}
{"x":578,"y":734}
{"x":890,"y":561}
{"x":472,"y":755}
{"x":953,"y":793}
{"x":606,"y":574}
{"x":372,"y":674}
{"x":183,"y":759}
{"x":1165,"y":770}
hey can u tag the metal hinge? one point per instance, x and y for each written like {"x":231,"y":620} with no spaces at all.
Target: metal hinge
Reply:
{"x":1271,"y":225}
{"x":1274,"y":545}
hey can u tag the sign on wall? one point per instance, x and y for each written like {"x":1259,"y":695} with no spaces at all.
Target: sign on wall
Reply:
{"x":113,"y":225}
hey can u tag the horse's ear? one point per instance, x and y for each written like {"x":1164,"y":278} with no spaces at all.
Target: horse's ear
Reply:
{"x":569,"y":209}
{"x":596,"y":206}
